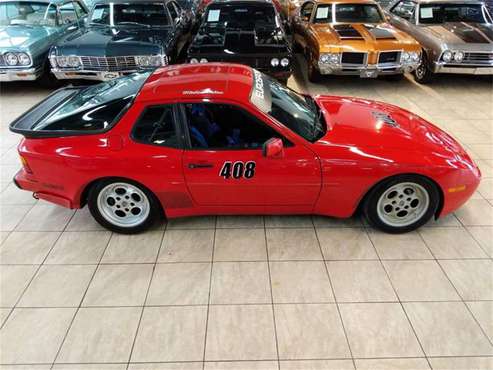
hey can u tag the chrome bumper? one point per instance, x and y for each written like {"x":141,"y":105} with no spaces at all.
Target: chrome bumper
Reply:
{"x":88,"y":75}
{"x":14,"y":74}
{"x":365,"y":71}
{"x":473,"y":70}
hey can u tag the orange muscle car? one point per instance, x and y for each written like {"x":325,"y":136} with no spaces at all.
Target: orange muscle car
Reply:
{"x":352,"y":37}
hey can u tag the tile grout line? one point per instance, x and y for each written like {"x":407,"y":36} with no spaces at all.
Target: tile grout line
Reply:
{"x":456,"y":290}
{"x":399,"y":300}
{"x":335,"y":298}
{"x":81,"y":300}
{"x":147,"y":294}
{"x":209,"y":295}
{"x":38,"y":266}
{"x":271,"y":296}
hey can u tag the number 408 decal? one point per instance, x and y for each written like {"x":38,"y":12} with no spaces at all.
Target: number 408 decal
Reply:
{"x":237,"y":170}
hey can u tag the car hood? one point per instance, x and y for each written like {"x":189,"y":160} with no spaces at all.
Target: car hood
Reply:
{"x":456,"y":33}
{"x":20,"y":37}
{"x":360,"y":123}
{"x":109,"y":41}
{"x":362,"y":37}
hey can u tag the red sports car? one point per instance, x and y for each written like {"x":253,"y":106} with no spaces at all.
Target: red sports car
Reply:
{"x":225,"y":139}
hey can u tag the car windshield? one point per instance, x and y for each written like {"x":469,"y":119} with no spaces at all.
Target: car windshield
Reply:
{"x":241,"y":16}
{"x":298,"y":113}
{"x":442,"y":13}
{"x":96,"y":107}
{"x":358,"y":13}
{"x":132,"y":14}
{"x":27,"y":13}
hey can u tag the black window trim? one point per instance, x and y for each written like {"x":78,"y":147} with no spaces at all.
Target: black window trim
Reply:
{"x":176,"y":124}
{"x":186,"y":133}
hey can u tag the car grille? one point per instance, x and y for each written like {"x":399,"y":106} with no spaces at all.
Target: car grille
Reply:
{"x":478,"y":58}
{"x":353,"y":58}
{"x":112,"y":64}
{"x":388,"y":57}
{"x":2,"y":61}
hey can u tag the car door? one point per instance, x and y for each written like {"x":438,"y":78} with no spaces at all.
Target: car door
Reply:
{"x":224,"y":163}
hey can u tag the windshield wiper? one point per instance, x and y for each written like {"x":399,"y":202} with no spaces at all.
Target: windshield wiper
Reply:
{"x":132,"y":24}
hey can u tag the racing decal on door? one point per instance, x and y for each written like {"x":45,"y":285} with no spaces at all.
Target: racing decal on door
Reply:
{"x":238,"y":170}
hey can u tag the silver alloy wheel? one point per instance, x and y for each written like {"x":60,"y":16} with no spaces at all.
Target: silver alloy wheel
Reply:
{"x":123,"y":204}
{"x":403,"y":204}
{"x":420,"y":71}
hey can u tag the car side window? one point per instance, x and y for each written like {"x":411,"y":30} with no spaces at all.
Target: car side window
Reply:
{"x":405,"y":9}
{"x":224,"y":126}
{"x":156,"y":126}
{"x":172,"y":11}
{"x":67,"y":13}
{"x":306,"y":11}
{"x":80,"y":11}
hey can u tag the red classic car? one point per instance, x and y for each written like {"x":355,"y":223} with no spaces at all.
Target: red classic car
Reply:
{"x":225,"y":139}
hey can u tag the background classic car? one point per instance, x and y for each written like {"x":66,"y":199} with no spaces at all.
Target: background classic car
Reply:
{"x":28,"y":29}
{"x":352,"y":37}
{"x":457,"y":36}
{"x":122,"y":37}
{"x":243,"y":31}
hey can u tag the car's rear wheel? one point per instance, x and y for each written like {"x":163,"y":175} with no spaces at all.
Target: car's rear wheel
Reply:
{"x":123,"y":206}
{"x":401,"y":204}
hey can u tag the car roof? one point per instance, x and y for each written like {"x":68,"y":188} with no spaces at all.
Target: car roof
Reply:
{"x":241,"y":2}
{"x":449,"y":1}
{"x":42,"y":1}
{"x":128,"y":1}
{"x":345,"y":1}
{"x":198,"y":81}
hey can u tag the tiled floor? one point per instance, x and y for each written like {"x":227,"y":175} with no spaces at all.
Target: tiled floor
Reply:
{"x":247,"y":293}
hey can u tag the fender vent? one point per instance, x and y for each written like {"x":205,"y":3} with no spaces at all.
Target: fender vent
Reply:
{"x":385,"y":118}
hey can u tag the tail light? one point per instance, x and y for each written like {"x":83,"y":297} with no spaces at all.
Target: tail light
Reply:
{"x":26,"y":165}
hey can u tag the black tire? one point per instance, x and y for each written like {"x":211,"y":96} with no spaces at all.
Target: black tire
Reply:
{"x":370,"y":203}
{"x":154,"y":214}
{"x":423,"y":74}
{"x":312,"y":71}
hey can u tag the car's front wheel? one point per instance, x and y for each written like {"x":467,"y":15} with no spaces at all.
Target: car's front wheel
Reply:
{"x":123,"y":206}
{"x":401,"y":204}
{"x":423,"y":74}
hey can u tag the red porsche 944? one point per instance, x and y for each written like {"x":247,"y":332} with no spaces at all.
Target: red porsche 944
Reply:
{"x":223,"y":139}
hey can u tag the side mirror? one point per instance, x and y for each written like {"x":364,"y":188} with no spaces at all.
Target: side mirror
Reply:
{"x":273,"y":148}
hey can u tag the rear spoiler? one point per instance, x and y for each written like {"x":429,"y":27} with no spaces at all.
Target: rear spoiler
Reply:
{"x":26,"y":123}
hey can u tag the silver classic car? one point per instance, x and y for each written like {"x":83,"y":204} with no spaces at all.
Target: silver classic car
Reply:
{"x":27,"y":31}
{"x":456,"y":35}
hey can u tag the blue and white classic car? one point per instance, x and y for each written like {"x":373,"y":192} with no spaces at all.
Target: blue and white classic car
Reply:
{"x":28,"y":28}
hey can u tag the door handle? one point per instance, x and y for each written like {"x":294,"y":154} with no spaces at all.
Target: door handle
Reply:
{"x":200,"y":165}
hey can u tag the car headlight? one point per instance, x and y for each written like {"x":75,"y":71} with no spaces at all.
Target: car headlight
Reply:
{"x":284,"y":62}
{"x":414,"y":56}
{"x":149,"y":60}
{"x":194,"y":61}
{"x":73,"y":61}
{"x":459,"y":56}
{"x":405,"y":57}
{"x":24,"y":59}
{"x":447,"y":56}
{"x":203,"y":60}
{"x":62,"y":61}
{"x":329,"y":58}
{"x":274,"y":62}
{"x":11,"y":59}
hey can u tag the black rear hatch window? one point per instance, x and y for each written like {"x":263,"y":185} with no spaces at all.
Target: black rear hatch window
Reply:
{"x":74,"y":111}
